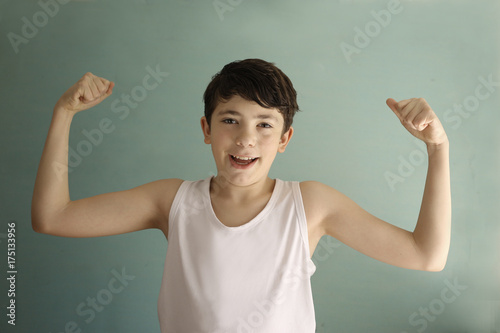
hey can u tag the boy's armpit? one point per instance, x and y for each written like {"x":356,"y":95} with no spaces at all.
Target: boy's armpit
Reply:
{"x":167,"y":192}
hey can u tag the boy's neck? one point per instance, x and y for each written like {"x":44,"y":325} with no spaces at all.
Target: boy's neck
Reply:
{"x":222,"y":188}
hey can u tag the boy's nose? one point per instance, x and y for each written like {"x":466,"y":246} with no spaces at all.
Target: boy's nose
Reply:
{"x":245,"y":138}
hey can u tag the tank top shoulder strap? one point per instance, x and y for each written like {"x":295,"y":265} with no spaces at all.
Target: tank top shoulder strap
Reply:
{"x":179,"y":200}
{"x":302,"y":220}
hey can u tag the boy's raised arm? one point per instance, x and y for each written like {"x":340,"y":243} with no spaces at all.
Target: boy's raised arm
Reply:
{"x":433,"y":229}
{"x":426,"y":248}
{"x":52,"y":211}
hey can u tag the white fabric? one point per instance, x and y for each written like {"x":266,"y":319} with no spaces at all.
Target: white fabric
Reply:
{"x":251,"y":278}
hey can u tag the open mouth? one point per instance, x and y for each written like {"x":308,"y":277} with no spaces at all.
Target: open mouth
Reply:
{"x":241,"y":160}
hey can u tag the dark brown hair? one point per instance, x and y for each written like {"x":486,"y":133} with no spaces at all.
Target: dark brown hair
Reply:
{"x":254,"y":80}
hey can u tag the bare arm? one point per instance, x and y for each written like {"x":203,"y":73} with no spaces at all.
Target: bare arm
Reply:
{"x":426,"y":248}
{"x":433,"y":229}
{"x":52,"y":211}
{"x":51,"y":191}
{"x":432,"y":232}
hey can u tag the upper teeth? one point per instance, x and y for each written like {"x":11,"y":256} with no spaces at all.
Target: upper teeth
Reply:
{"x":243,"y":158}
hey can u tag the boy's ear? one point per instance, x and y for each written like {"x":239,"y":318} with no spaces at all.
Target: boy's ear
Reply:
{"x":206,"y":129}
{"x":285,"y":139}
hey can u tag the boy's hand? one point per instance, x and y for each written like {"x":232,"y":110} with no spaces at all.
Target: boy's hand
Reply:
{"x":89,"y":91}
{"x":419,"y":119}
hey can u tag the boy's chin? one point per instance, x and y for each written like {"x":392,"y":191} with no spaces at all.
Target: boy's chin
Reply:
{"x":240,"y":177}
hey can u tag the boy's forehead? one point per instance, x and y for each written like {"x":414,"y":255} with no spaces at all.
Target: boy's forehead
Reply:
{"x":238,"y":106}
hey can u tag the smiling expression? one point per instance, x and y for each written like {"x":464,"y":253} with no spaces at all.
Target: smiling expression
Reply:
{"x":245,"y":139}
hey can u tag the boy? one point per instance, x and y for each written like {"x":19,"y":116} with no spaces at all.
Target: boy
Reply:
{"x":240,"y":243}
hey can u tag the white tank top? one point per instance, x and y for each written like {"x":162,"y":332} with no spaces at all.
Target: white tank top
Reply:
{"x":251,"y":278}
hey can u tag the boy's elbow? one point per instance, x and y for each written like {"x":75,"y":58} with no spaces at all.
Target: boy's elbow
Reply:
{"x":434,"y":259}
{"x":36,"y":221}
{"x":435,"y":265}
{"x":38,"y":226}
{"x":435,"y":268}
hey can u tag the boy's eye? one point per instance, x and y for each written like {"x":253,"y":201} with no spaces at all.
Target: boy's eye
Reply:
{"x":233,"y":121}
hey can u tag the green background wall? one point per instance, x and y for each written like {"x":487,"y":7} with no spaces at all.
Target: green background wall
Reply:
{"x":345,"y":137}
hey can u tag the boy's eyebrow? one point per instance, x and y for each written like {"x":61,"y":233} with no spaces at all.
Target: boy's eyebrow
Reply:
{"x":236,"y":113}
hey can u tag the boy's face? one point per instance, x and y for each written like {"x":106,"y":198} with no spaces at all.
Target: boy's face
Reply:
{"x":242,"y":128}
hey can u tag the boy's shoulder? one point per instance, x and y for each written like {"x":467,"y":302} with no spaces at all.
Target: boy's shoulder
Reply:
{"x":311,"y":191}
{"x":164,"y":191}
{"x":168,"y":184}
{"x":313,"y":187}
{"x":319,"y":199}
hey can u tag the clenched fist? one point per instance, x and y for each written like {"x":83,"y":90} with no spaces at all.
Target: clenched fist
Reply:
{"x":89,"y":91}
{"x":419,"y":119}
